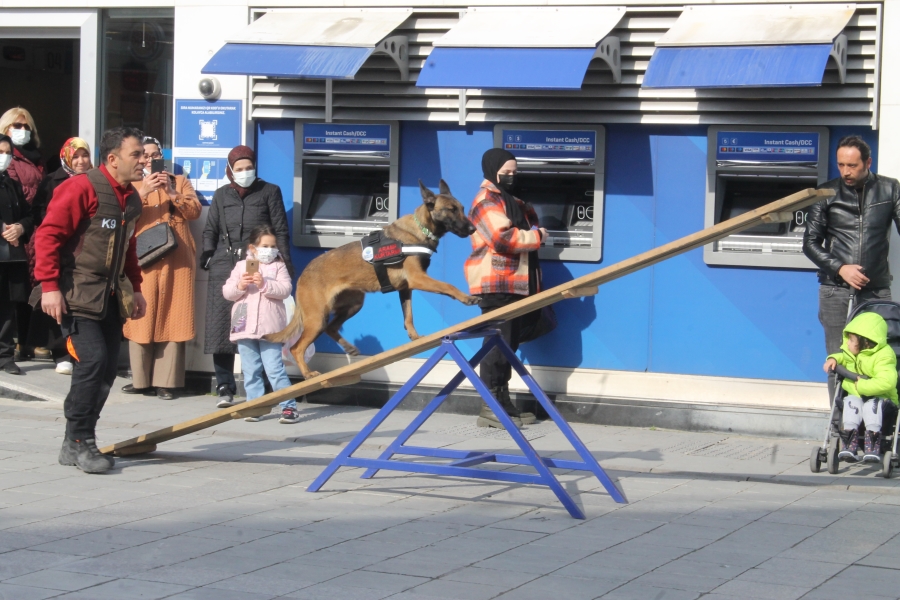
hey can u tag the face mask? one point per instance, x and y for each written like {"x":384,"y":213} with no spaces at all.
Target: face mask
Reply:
{"x":5,"y":159}
{"x":507,"y":182}
{"x":245,"y":178}
{"x":266,"y":255}
{"x":20,"y":137}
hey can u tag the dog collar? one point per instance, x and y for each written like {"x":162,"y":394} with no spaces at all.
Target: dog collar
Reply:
{"x":424,"y":229}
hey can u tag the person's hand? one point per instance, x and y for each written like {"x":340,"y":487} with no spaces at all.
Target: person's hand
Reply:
{"x":544,"y":234}
{"x":170,"y":185}
{"x":245,"y":281}
{"x":12,"y":233}
{"x":854,"y":276}
{"x":140,"y":306}
{"x":153,"y":182}
{"x":53,"y":305}
{"x":257,"y":279}
{"x":829,"y":365}
{"x":205,"y":258}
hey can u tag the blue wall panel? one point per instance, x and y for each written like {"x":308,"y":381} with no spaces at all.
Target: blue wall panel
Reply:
{"x":681,"y":316}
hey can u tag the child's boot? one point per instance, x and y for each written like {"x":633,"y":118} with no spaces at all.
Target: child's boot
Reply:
{"x":872,"y":446}
{"x":850,"y":441}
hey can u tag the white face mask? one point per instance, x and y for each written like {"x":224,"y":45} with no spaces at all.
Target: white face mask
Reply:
{"x":266,"y":255}
{"x":245,"y":178}
{"x":5,"y":159}
{"x":20,"y":137}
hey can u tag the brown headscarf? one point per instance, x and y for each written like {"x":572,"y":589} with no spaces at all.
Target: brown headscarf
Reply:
{"x":240,"y":153}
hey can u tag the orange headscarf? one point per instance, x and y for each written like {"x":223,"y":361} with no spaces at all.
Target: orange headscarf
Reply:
{"x":68,"y":153}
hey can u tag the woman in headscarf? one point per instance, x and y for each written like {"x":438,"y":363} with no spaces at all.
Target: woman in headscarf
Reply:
{"x":18,"y":224}
{"x":43,"y":332}
{"x":237,"y":207}
{"x":27,"y":168}
{"x":157,"y":340}
{"x":502,"y":269}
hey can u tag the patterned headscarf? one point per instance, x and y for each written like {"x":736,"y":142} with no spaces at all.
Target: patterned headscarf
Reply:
{"x":68,"y":153}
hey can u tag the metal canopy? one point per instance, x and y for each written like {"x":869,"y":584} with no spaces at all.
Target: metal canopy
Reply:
{"x":355,"y":27}
{"x":275,"y":60}
{"x":532,"y":27}
{"x":758,"y":24}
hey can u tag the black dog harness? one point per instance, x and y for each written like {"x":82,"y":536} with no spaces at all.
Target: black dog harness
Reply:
{"x":381,"y":252}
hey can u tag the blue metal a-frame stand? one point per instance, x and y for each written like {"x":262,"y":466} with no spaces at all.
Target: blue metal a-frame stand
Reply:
{"x":463,"y":461}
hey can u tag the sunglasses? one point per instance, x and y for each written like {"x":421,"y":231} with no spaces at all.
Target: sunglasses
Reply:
{"x":21,"y":126}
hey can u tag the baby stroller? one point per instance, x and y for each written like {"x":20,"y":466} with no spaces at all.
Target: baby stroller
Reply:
{"x":828,"y":452}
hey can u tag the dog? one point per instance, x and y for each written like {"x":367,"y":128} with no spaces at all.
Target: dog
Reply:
{"x":335,"y":283}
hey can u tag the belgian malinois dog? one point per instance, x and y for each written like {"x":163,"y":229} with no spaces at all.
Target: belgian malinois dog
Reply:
{"x":335,"y":284}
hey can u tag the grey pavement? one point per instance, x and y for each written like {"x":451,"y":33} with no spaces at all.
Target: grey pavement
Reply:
{"x":224,"y":514}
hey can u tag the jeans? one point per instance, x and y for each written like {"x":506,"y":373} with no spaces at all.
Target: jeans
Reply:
{"x":833,"y":302}
{"x":257,"y":355}
{"x":96,"y":344}
{"x":495,"y":370}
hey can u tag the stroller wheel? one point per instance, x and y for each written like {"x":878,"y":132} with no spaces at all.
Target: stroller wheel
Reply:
{"x":815,"y":460}
{"x":832,"y":460}
{"x":887,"y":465}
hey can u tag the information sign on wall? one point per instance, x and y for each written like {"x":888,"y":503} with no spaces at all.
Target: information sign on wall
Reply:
{"x":766,"y":146}
{"x":551,"y":144}
{"x":344,"y":138}
{"x":202,"y":124}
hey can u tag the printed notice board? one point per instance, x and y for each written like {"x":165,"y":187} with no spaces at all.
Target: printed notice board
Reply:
{"x":767,"y":146}
{"x":202,"y":124}
{"x":347,"y":138}
{"x":551,"y":144}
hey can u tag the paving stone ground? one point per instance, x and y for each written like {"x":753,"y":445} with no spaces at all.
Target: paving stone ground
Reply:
{"x":223,"y":514}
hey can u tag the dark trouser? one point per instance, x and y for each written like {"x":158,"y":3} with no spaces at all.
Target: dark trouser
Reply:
{"x":96,"y":344}
{"x":495,"y":370}
{"x":224,"y":365}
{"x":7,"y":332}
{"x":23,"y":322}
{"x":833,"y":303}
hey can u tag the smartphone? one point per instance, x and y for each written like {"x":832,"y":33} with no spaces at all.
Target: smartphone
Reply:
{"x":252,"y":266}
{"x":157,"y":165}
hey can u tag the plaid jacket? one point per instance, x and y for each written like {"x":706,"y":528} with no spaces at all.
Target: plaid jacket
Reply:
{"x":499,"y":259}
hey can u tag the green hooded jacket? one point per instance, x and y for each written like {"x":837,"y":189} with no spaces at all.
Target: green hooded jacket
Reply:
{"x":878,"y":363}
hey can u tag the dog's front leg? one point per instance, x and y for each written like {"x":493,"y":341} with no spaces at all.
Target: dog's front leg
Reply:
{"x":419,"y":280}
{"x":406,"y":305}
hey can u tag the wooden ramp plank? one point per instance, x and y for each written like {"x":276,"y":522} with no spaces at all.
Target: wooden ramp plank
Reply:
{"x":575,"y":288}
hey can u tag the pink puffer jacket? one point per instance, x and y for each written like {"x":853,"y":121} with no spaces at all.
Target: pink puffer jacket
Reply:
{"x":265,"y":306}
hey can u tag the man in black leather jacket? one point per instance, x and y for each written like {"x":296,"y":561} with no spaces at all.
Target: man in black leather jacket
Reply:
{"x":847,"y":237}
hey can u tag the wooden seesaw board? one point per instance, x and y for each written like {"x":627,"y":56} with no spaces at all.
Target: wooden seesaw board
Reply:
{"x":587,"y":285}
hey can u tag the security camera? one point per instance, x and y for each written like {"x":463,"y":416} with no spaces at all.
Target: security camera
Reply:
{"x":210,"y":88}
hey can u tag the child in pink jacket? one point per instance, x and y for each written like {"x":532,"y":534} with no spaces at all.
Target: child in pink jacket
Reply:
{"x":259,"y":310}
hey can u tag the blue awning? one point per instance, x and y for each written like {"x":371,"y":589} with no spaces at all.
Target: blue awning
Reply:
{"x":737,"y":66}
{"x":509,"y":68}
{"x":281,"y":60}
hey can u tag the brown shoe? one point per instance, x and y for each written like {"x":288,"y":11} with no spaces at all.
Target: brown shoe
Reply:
{"x":42,"y":353}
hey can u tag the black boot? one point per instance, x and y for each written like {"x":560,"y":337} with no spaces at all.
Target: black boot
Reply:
{"x":502,"y":395}
{"x":89,"y":458}
{"x":487,"y":418}
{"x":68,"y":454}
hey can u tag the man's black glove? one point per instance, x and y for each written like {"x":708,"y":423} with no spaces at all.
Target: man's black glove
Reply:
{"x":205,"y":258}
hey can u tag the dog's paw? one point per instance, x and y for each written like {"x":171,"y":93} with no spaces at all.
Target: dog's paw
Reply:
{"x":351,"y":350}
{"x":472,"y":300}
{"x":311,"y":374}
{"x":413,"y":335}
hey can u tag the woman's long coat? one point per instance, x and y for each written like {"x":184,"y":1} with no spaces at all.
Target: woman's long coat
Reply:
{"x":264,"y":205}
{"x":168,"y":285}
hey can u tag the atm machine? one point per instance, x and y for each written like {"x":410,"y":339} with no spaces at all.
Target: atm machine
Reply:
{"x":345,"y":176}
{"x":748,"y":167}
{"x":560,"y":173}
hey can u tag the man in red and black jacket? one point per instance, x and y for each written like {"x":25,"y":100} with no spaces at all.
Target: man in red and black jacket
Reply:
{"x":87,"y":266}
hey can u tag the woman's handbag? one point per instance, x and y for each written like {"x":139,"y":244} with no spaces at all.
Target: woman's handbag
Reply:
{"x":154,"y":243}
{"x":10,"y":253}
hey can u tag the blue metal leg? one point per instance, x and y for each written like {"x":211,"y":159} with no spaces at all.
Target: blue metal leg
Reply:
{"x":431,"y":406}
{"x":588,"y":458}
{"x":546,"y":476}
{"x":377,"y":420}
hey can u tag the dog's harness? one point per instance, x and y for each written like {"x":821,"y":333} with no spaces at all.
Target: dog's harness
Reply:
{"x":381,"y":252}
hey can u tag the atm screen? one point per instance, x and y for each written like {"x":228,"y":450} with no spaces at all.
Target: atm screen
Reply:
{"x":551,"y":195}
{"x":344,"y":196}
{"x":743,"y":194}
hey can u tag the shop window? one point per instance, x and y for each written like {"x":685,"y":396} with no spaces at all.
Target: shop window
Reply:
{"x":137,"y":71}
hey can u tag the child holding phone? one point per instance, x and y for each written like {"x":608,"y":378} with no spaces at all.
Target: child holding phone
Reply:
{"x":258,"y":286}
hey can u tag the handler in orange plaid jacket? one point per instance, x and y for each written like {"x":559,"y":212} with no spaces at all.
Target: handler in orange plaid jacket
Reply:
{"x":502,"y":269}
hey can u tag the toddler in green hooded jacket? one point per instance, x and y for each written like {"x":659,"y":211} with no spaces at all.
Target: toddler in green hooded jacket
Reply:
{"x":865,"y":351}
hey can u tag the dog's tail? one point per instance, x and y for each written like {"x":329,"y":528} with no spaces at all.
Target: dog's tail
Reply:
{"x":289,"y":331}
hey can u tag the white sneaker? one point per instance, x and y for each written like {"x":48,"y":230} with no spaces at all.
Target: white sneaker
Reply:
{"x":64,"y":367}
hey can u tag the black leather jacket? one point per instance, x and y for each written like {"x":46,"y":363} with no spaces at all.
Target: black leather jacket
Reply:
{"x":838,"y":233}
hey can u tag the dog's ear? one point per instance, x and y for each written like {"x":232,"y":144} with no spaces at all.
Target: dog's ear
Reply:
{"x":428,"y":196}
{"x":444,"y":188}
